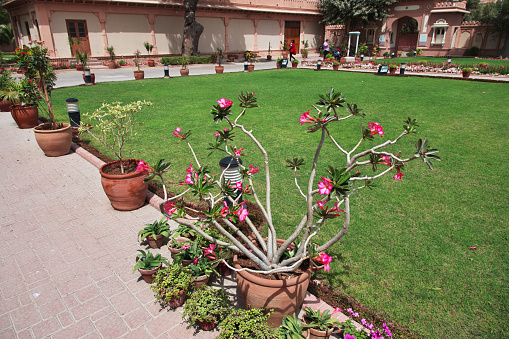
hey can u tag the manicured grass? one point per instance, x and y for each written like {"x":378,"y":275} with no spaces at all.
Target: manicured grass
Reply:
{"x":407,"y":253}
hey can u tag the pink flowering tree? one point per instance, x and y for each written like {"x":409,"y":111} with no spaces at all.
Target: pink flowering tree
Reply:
{"x":327,"y":192}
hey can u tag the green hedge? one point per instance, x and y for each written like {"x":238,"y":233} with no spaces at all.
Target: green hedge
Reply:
{"x":191,"y":59}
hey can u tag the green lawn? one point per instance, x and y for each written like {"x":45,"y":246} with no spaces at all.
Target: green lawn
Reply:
{"x":456,"y":61}
{"x":407,"y":253}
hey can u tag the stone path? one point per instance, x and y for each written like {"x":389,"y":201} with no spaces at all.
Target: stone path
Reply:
{"x":66,"y":256}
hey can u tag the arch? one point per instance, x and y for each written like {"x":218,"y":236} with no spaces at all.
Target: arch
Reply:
{"x":408,"y":34}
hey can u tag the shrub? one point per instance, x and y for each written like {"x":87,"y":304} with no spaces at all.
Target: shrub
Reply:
{"x":474,"y":51}
{"x":191,"y":59}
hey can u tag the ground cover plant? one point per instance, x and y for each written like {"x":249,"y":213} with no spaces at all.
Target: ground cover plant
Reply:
{"x":426,"y":251}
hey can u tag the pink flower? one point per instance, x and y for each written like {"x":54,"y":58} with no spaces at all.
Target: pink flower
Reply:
{"x":224,"y":103}
{"x":375,"y":128}
{"x":238,"y":185}
{"x":336,"y":208}
{"x":237,"y":151}
{"x":169,"y":207}
{"x":325,"y":259}
{"x":190,"y":169}
{"x":142,"y":167}
{"x":225,"y":210}
{"x":473,"y":248}
{"x":216,"y":134}
{"x":337,"y":309}
{"x":195,"y":261}
{"x":209,"y":251}
{"x":225,"y":129}
{"x":386,"y":159}
{"x":253,"y":170}
{"x":349,"y":336}
{"x":304,"y":117}
{"x":325,"y":186}
{"x":398,"y":175}
{"x":185,"y":247}
{"x":242,"y":213}
{"x":177,"y":131}
{"x":320,"y":203}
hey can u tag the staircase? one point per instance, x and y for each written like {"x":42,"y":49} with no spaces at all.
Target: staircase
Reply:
{"x":95,"y":64}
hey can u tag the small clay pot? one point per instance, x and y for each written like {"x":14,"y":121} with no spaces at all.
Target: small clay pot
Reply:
{"x":155,"y":243}
{"x":151,"y":63}
{"x":200,"y":282}
{"x":184,"y":72}
{"x":178,"y":300}
{"x":207,"y":325}
{"x":149,"y":275}
{"x":139,"y":75}
{"x":219,"y":69}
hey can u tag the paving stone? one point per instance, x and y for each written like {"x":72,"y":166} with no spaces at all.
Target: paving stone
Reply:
{"x":76,"y":330}
{"x":65,"y":319}
{"x":137,"y":318}
{"x":44,"y":294}
{"x":163,"y":322}
{"x":7,"y":334}
{"x":87,"y":293}
{"x":111,"y":326}
{"x":52,"y":308}
{"x":140,"y":333}
{"x":5,"y":322}
{"x":90,"y":307}
{"x":124,"y":302}
{"x":24,"y":317}
{"x":45,"y":328}
{"x":7,"y":305}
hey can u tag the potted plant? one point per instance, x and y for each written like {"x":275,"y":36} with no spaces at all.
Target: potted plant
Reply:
{"x":269,"y":56}
{"x":149,"y":47}
{"x":305,"y":51}
{"x":207,"y":307}
{"x":400,"y":54}
{"x":111,"y":52}
{"x":122,"y":180}
{"x":376,"y":51}
{"x":21,"y":99}
{"x":191,"y":252}
{"x":201,"y":269}
{"x":82,"y":59}
{"x":171,"y":285}
{"x":285,"y":49}
{"x":148,"y":265}
{"x":231,"y":57}
{"x":335,"y":65}
{"x":219,"y":58}
{"x":7,"y":83}
{"x":320,"y":324}
{"x":278,"y":62}
{"x":387,"y":55}
{"x":295,"y":63}
{"x":393,"y":68}
{"x":362,"y":51}
{"x":327,"y":198}
{"x":466,"y":71}
{"x":251,"y":57}
{"x":292,"y":328}
{"x":247,"y":324}
{"x":155,"y":232}
{"x":184,"y":71}
{"x":139,"y":74}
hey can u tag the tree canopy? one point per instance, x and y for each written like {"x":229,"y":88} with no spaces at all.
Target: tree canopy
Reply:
{"x":353,"y":13}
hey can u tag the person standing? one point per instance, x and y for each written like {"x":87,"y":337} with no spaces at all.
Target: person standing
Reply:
{"x":326,"y":48}
{"x":292,"y":50}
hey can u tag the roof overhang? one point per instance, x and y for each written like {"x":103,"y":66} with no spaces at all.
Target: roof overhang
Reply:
{"x":450,"y":10}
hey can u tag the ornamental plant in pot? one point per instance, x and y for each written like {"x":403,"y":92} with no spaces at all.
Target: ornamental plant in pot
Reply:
{"x":305,"y":51}
{"x":320,"y":324}
{"x":326,"y":199}
{"x":190,"y":253}
{"x":82,"y":59}
{"x":155,"y":232}
{"x":22,"y":98}
{"x":111,"y":52}
{"x":466,"y":72}
{"x":207,"y":307}
{"x":122,"y":180}
{"x":335,"y":65}
{"x":292,"y":328}
{"x":53,"y":138}
{"x":171,"y":285}
{"x":148,"y":265}
{"x":393,"y":68}
{"x":295,"y":63}
{"x":219,"y":68}
{"x":149,"y":47}
{"x":7,"y":83}
{"x":231,"y":57}
{"x":246,"y":324}
{"x":201,"y":269}
{"x":139,"y":74}
{"x":184,"y":71}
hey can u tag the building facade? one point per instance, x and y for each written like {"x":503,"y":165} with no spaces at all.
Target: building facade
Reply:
{"x":65,"y":26}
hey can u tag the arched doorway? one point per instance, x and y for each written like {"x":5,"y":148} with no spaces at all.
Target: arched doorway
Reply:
{"x":408,"y":29}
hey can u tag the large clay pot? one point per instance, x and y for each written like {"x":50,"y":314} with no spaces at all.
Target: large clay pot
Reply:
{"x":335,"y":67}
{"x":184,"y":72}
{"x":155,"y":243}
{"x":284,"y":296}
{"x":5,"y":106}
{"x":392,"y":70}
{"x":231,"y":58}
{"x":200,"y":282}
{"x":54,"y":142}
{"x":151,"y":63}
{"x":149,"y":275}
{"x":295,"y":65}
{"x":139,"y":75}
{"x":79,"y":68}
{"x":219,"y":69}
{"x":466,"y":74}
{"x":92,"y":78}
{"x":250,"y":68}
{"x":25,"y":116}
{"x":126,"y":192}
{"x":112,"y":65}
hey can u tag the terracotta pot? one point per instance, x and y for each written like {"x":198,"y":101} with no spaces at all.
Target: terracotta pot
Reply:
{"x":149,"y":275}
{"x":269,"y":57}
{"x":285,"y":54}
{"x":178,"y":300}
{"x":184,"y":72}
{"x":278,"y":65}
{"x":335,"y":67}
{"x":207,"y":325}
{"x":25,"y":116}
{"x":79,"y":67}
{"x":250,"y":68}
{"x":284,"y":296}
{"x":392,"y":70}
{"x":294,"y":65}
{"x":304,"y":55}
{"x":200,"y":282}
{"x":466,"y":74}
{"x":219,"y":69}
{"x":315,"y":267}
{"x":5,"y":106}
{"x":186,"y":262}
{"x":316,"y":334}
{"x":92,"y":77}
{"x":126,"y":192}
{"x":54,"y":143}
{"x":231,"y":58}
{"x":223,"y":269}
{"x":112,"y":65}
{"x":151,"y":63}
{"x":139,"y":75}
{"x":155,"y":243}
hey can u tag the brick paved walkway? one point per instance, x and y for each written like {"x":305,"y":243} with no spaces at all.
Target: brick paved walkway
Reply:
{"x":66,"y":255}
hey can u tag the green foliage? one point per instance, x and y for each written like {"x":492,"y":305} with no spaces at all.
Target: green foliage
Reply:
{"x":147,"y":261}
{"x":121,"y":62}
{"x":148,"y":46}
{"x":295,"y":61}
{"x":191,"y":60}
{"x":169,"y":282}
{"x":474,"y":51}
{"x":291,"y":328}
{"x":353,"y":13}
{"x":207,"y":304}
{"x":191,"y":252}
{"x":349,"y":328}
{"x":202,"y":267}
{"x":154,"y":229}
{"x":111,"y":52}
{"x":82,"y":58}
{"x":321,"y":321}
{"x":220,"y":56}
{"x":246,"y":324}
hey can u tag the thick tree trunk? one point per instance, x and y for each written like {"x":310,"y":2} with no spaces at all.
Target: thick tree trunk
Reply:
{"x":192,"y":29}
{"x":504,"y":52}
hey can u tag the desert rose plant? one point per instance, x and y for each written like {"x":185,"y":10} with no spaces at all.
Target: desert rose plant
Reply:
{"x":327,"y":192}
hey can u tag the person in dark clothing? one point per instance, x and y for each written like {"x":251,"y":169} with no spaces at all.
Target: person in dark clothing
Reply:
{"x":292,"y":50}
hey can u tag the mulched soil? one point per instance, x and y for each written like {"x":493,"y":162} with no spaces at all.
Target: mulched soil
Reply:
{"x":243,"y":261}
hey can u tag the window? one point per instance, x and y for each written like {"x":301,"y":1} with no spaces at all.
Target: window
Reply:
{"x":27,"y":27}
{"x":370,"y":36}
{"x":439,"y":31}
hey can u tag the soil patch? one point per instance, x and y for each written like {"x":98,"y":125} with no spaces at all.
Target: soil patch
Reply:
{"x":114,"y":168}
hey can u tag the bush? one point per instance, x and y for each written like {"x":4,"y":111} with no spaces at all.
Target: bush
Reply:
{"x":474,"y":51}
{"x":190,"y":59}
